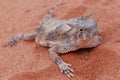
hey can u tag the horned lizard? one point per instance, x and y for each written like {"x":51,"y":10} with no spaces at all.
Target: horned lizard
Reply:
{"x":63,"y":36}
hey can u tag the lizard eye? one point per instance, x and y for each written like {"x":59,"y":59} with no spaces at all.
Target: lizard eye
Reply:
{"x":81,"y":30}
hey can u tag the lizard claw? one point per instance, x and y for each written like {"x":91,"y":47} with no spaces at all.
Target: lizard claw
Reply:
{"x":65,"y":68}
{"x":11,"y":42}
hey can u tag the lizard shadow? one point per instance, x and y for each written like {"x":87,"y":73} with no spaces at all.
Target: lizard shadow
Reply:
{"x":101,"y":61}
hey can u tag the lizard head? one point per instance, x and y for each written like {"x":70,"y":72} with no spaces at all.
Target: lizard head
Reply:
{"x":86,"y":27}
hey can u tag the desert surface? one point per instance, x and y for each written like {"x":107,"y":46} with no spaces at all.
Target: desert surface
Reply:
{"x":29,"y":61}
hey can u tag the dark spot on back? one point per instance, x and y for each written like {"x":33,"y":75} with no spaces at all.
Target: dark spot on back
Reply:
{"x":53,"y":35}
{"x":65,"y":36}
{"x":41,"y":31}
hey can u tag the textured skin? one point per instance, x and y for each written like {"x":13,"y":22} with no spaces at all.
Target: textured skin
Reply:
{"x":63,"y":36}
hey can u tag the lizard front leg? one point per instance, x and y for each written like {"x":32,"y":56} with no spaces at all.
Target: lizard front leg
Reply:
{"x":63,"y":66}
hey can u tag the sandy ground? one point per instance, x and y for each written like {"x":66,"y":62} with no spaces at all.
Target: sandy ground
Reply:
{"x":28,"y":61}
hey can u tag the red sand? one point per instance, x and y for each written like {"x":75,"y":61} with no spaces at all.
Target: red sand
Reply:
{"x":28,"y":61}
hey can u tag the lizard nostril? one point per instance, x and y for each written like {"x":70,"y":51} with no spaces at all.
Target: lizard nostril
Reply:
{"x":86,"y":30}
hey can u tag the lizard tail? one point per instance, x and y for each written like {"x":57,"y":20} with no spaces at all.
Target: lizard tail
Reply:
{"x":48,"y":15}
{"x":50,"y":12}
